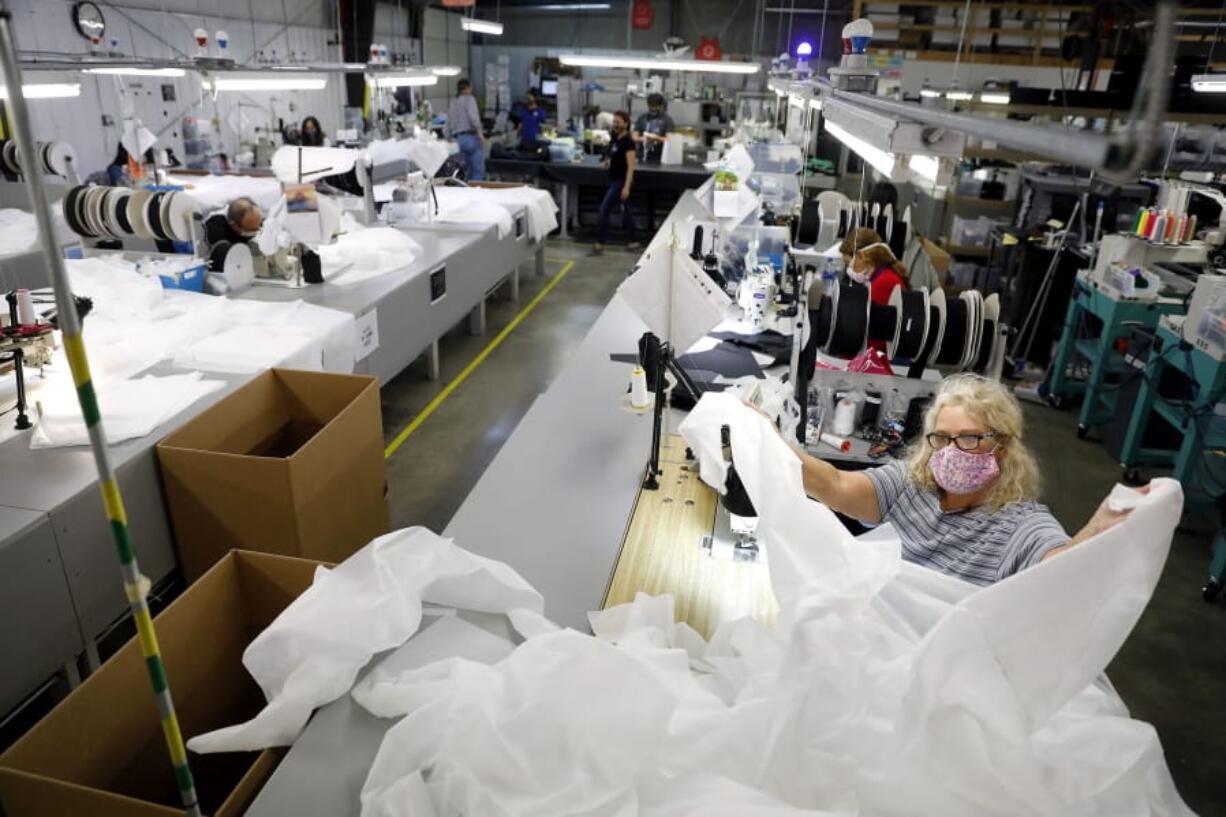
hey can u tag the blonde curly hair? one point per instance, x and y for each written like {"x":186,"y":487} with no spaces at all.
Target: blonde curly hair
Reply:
{"x":995,"y":406}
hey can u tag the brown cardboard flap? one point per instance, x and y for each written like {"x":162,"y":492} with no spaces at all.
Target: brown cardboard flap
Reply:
{"x":237,"y":423}
{"x":317,"y":397}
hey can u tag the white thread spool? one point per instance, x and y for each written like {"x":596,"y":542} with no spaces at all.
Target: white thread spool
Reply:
{"x":844,"y":417}
{"x":638,"y":388}
{"x":837,"y":443}
{"x":25,"y":308}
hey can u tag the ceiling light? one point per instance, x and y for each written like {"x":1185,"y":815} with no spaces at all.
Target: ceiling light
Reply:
{"x":662,"y":64}
{"x":446,"y":70}
{"x":994,"y":98}
{"x":138,"y":72}
{"x":480,"y":26}
{"x":291,"y":67}
{"x":266,"y":84}
{"x":959,"y":96}
{"x":47,"y":90}
{"x":570,"y":7}
{"x":930,"y":93}
{"x":402,"y":80}
{"x":1209,"y":83}
{"x":881,"y":160}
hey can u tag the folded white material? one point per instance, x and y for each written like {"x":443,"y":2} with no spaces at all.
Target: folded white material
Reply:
{"x":19,"y":230}
{"x":216,"y":192}
{"x":458,"y":205}
{"x":366,"y":252}
{"x":372,"y":602}
{"x":130,"y":408}
{"x":542,"y":210}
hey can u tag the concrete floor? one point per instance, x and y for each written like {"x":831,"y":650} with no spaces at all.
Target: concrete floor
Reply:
{"x":1170,"y":672}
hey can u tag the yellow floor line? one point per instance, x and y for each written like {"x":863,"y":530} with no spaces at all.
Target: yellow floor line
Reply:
{"x":433,"y":405}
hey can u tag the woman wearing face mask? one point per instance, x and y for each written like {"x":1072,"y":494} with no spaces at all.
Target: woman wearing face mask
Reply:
{"x":311,"y":134}
{"x":871,"y":262}
{"x":964,"y":502}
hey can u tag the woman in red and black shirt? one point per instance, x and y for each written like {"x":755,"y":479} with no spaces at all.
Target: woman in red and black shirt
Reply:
{"x":871,"y":262}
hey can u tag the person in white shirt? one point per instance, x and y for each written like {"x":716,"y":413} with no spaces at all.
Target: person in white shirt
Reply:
{"x":464,"y":125}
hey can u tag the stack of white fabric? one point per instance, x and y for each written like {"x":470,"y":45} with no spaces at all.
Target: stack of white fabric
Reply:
{"x":475,"y":204}
{"x":885,"y":689}
{"x":19,"y":230}
{"x":466,"y":205}
{"x":136,"y":323}
{"x":360,"y":253}
{"x":216,"y":192}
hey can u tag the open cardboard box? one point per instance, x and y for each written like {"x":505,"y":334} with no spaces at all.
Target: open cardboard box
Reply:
{"x":101,"y":753}
{"x":290,"y":463}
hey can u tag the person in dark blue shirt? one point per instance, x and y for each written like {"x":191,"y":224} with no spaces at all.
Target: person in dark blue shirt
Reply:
{"x":531,"y":118}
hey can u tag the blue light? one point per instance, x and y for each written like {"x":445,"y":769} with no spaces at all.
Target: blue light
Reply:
{"x":805,"y":49}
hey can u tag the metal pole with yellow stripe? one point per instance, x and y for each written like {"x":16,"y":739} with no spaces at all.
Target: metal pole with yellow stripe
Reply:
{"x":135,"y":585}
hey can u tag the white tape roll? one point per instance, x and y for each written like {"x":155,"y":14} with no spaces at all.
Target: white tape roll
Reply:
{"x":844,"y":417}
{"x":25,"y":308}
{"x":837,"y":443}
{"x":638,"y":388}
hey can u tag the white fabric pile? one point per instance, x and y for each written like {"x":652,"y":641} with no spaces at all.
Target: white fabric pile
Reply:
{"x":135,"y":323}
{"x":216,"y":192}
{"x":474,"y":204}
{"x":885,"y":689}
{"x":19,"y":230}
{"x":466,"y":205}
{"x":130,"y":408}
{"x":360,"y":253}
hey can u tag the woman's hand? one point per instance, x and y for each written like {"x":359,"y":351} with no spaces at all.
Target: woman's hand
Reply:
{"x":1104,"y":519}
{"x":625,"y":193}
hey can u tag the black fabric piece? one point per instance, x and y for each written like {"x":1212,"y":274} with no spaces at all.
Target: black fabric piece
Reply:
{"x":911,"y":333}
{"x":312,"y":269}
{"x":727,"y":359}
{"x":736,"y":498}
{"x":882,"y":321}
{"x":768,"y":343}
{"x":809,"y":224}
{"x":850,"y":325}
{"x":957,"y":320}
{"x":985,"y":345}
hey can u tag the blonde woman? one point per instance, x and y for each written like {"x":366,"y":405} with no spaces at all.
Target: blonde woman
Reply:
{"x":964,"y":502}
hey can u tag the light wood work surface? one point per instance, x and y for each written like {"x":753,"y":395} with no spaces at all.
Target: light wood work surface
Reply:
{"x":663,"y":554}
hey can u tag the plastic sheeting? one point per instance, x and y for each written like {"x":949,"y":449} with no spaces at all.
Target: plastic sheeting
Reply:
{"x":372,"y":602}
{"x":362,"y":253}
{"x":886,"y":689}
{"x":19,"y":230}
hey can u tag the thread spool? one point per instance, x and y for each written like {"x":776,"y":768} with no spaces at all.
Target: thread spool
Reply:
{"x":851,"y":317}
{"x":913,"y":327}
{"x":953,"y":345}
{"x":638,"y":388}
{"x":25,"y":308}
{"x":837,"y":443}
{"x":844,"y":417}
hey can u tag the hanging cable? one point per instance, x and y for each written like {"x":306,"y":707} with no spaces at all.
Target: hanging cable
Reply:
{"x":966,"y":16}
{"x":1217,"y":32}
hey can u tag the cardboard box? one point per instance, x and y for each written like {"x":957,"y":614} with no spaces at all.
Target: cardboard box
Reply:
{"x":291,"y":463}
{"x":101,"y":752}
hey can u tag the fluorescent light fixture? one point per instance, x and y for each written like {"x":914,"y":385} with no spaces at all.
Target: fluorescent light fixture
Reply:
{"x":138,"y":72}
{"x":570,"y":7}
{"x":480,"y":26}
{"x":47,"y":90}
{"x":402,"y":80}
{"x":994,"y":97}
{"x":291,"y":67}
{"x":959,"y":96}
{"x":927,"y":167}
{"x":266,"y":83}
{"x":445,"y":70}
{"x":930,"y":93}
{"x":883,"y":161}
{"x":1209,"y":83}
{"x":815,"y":103}
{"x":662,"y":64}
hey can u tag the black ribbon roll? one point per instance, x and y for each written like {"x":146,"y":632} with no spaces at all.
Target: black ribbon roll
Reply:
{"x":842,"y":223}
{"x":153,"y":215}
{"x":809,"y":224}
{"x":851,"y":322}
{"x":911,"y":333}
{"x":898,"y":238}
{"x":121,"y":214}
{"x":882,"y":321}
{"x":953,"y":346}
{"x":821,"y":320}
{"x":70,"y":210}
{"x":985,"y":345}
{"x":217,"y":256}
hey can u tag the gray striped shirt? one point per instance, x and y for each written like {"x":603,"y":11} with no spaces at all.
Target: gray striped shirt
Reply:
{"x":977,"y":545}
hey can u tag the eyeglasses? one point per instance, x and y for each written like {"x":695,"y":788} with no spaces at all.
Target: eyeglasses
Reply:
{"x":965,"y":442}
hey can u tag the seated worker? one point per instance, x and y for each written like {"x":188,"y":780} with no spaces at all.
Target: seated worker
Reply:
{"x":871,"y":262}
{"x":240,"y":223}
{"x":311,"y":134}
{"x":531,"y":118}
{"x":963,"y":503}
{"x":652,"y":128}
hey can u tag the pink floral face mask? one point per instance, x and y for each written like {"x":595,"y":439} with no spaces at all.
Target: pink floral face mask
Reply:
{"x":963,"y":472}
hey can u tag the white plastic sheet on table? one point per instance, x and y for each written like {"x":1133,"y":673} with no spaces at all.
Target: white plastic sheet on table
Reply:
{"x":885,"y":689}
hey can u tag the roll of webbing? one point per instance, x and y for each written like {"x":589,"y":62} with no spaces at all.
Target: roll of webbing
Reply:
{"x":985,"y":345}
{"x":851,"y":322}
{"x":953,"y":346}
{"x":809,"y":225}
{"x":882,"y":321}
{"x":914,"y":324}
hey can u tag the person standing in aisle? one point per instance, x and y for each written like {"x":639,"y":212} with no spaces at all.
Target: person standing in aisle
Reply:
{"x":531,"y":118}
{"x":621,"y":162}
{"x":464,"y":125}
{"x":653,"y":128}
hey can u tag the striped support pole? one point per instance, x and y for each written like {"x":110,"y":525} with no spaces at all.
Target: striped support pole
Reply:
{"x":135,"y":585}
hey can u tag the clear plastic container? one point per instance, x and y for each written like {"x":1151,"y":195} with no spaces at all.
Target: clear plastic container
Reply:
{"x":781,"y":191}
{"x":776,"y":157}
{"x":772,"y":243}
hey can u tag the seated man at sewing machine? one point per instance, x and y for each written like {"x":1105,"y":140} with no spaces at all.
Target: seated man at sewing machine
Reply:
{"x":238,"y":224}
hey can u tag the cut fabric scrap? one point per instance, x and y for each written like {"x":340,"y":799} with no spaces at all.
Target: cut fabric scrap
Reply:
{"x":370,"y":603}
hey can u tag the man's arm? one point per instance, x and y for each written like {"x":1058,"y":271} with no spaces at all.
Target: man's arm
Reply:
{"x":631,"y":161}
